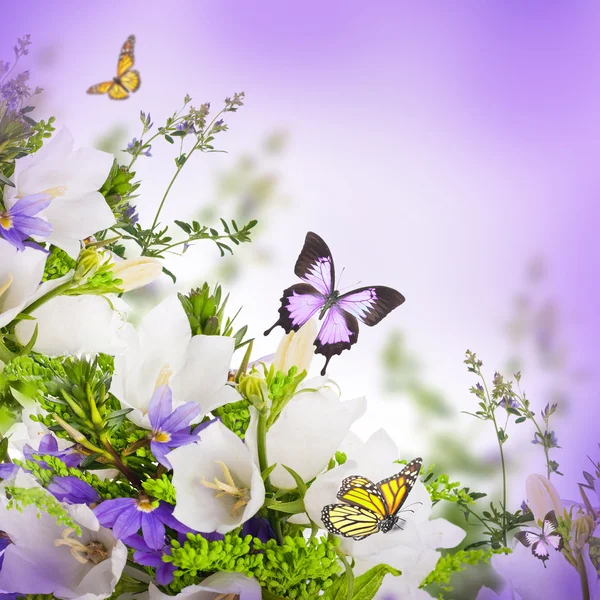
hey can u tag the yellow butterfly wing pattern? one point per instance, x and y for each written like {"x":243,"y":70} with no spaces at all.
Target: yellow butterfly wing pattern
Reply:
{"x":368,"y":507}
{"x":395,"y":489}
{"x":128,"y":80}
{"x":350,"y":521}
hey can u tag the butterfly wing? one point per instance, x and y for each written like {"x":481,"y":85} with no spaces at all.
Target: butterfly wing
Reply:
{"x":527,"y":538}
{"x":350,"y":521}
{"x":118,"y":92}
{"x":315,"y":264}
{"x":338,"y":332}
{"x":371,"y":304}
{"x":395,"y":489}
{"x":126,"y":56}
{"x":131,"y":80}
{"x":101,"y":88}
{"x":550,"y":531}
{"x":363,"y":493}
{"x":298,"y":304}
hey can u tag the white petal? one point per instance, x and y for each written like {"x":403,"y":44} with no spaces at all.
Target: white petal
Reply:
{"x":246,"y":588}
{"x":205,"y":370}
{"x":71,"y":325}
{"x":440,"y":533}
{"x":197,"y":506}
{"x":20,"y":276}
{"x":307,"y":434}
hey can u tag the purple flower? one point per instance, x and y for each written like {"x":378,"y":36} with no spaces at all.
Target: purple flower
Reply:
{"x":508,"y":402}
{"x":18,"y":222}
{"x":186,"y":126}
{"x":130,"y":214}
{"x":170,"y":428}
{"x":136,"y":146}
{"x":146,"y":120}
{"x":148,"y":557}
{"x":8,"y":471}
{"x":72,"y":490}
{"x":258,"y":527}
{"x":49,"y":446}
{"x":127,"y":516}
{"x":4,"y":543}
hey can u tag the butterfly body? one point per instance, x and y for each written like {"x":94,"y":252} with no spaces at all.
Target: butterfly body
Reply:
{"x":367,"y":508}
{"x":339,"y":313}
{"x":127,"y":81}
{"x":541,"y":543}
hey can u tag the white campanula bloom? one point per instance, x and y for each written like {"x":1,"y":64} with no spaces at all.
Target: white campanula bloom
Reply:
{"x":296,"y":349}
{"x":219,"y":585}
{"x":45,"y":557}
{"x":136,"y":272}
{"x":20,"y":276}
{"x":309,"y":431}
{"x":72,"y":179}
{"x":224,"y":487}
{"x":412,"y":549}
{"x":162,"y":351}
{"x":542,"y":497}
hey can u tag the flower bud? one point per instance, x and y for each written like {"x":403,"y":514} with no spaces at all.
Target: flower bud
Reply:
{"x":296,"y":349}
{"x":542,"y":497}
{"x":137,"y":272}
{"x":87,"y":264}
{"x":254,"y":388}
{"x":584,"y":528}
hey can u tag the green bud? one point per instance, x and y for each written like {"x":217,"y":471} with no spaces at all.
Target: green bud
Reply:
{"x":87,"y":264}
{"x":584,"y":527}
{"x":254,"y":389}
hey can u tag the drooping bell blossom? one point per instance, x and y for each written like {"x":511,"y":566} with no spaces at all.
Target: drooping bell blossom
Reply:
{"x":72,"y":490}
{"x":414,"y":549}
{"x":19,"y":222}
{"x":137,"y":272}
{"x":542,"y":497}
{"x":148,"y":557}
{"x":20,"y":276}
{"x":162,"y":351}
{"x":170,"y":428}
{"x":220,"y":585}
{"x":49,"y":445}
{"x":296,"y":349}
{"x":75,"y":325}
{"x":72,"y":179}
{"x":45,"y":557}
{"x":258,"y":527}
{"x":126,"y":516}
{"x":224,"y":489}
{"x":309,"y":431}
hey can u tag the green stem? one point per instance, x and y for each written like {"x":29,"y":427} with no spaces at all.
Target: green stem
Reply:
{"x":264,"y":465}
{"x":349,"y":574}
{"x":5,"y":354}
{"x":57,"y":291}
{"x":148,"y":239}
{"x":481,"y":520}
{"x":585,"y":588}
{"x":500,"y":446}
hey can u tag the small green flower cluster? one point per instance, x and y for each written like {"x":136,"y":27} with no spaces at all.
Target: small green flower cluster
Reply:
{"x":118,"y":189}
{"x":456,"y":562}
{"x":235,"y":416}
{"x":21,"y":498}
{"x":160,"y":489}
{"x":58,"y":263}
{"x":297,"y":569}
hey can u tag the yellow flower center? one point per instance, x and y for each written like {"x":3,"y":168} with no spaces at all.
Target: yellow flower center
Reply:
{"x":6,"y":285}
{"x":57,"y":191}
{"x":93,"y":552}
{"x":163,"y":377}
{"x":145,"y":505}
{"x":241,"y":495}
{"x":5,"y":221}
{"x":162,"y":437}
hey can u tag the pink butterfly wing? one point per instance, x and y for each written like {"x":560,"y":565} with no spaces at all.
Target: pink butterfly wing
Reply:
{"x":338,"y":333}
{"x":371,"y":304}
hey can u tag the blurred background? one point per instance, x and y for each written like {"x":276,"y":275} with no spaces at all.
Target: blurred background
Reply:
{"x":449,"y":151}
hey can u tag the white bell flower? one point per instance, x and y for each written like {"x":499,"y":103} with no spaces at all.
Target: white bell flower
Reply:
{"x":72,"y":178}
{"x":162,"y":351}
{"x":218,"y":586}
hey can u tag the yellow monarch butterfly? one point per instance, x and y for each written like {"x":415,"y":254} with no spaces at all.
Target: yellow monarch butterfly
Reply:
{"x":127,"y":80}
{"x":370,"y":507}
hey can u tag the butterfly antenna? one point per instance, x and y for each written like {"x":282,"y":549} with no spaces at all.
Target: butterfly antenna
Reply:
{"x":337,"y":285}
{"x":407,"y":509}
{"x":351,"y":286}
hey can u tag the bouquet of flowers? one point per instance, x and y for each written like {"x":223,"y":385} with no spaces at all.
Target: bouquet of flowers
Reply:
{"x":165,"y":459}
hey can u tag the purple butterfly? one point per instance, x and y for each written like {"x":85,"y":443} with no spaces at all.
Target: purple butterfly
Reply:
{"x":318,"y":295}
{"x":541,"y":543}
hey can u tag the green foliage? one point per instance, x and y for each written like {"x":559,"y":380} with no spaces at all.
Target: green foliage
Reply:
{"x":440,"y":488}
{"x":235,"y":416}
{"x":21,"y":498}
{"x":58,"y":263}
{"x":160,"y":489}
{"x":298,"y":569}
{"x":205,"y":309}
{"x":118,"y":189}
{"x":282,"y":388}
{"x":456,"y":562}
{"x":362,"y":588}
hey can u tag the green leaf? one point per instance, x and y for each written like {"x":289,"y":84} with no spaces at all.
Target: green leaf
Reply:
{"x":291,"y":508}
{"x":299,"y":481}
{"x":521,"y":420}
{"x":365,"y":586}
{"x":30,"y":344}
{"x":167,"y":272}
{"x":6,"y":181}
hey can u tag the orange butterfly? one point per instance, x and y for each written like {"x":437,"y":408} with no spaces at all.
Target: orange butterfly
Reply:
{"x":127,"y":79}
